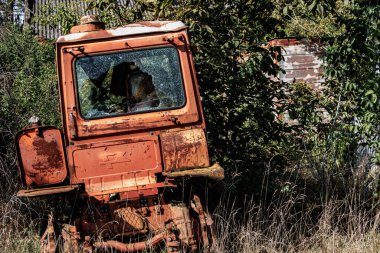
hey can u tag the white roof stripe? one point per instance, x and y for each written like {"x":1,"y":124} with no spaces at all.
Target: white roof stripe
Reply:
{"x":132,"y":29}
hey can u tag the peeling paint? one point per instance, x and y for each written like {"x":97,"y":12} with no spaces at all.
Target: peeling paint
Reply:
{"x":184,"y":149}
{"x":41,"y":156}
{"x":301,"y":61}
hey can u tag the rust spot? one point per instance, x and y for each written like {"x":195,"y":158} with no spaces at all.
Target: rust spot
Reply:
{"x":49,"y":154}
{"x":41,"y":156}
{"x":184,"y":149}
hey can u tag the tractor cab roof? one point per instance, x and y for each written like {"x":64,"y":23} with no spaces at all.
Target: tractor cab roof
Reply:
{"x":139,"y":28}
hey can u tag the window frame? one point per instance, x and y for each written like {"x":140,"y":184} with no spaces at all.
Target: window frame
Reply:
{"x":76,"y":87}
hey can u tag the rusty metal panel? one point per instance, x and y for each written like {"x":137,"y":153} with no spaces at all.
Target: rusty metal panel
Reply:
{"x":120,"y":164}
{"x":301,"y":61}
{"x":41,"y":156}
{"x":184,"y":149}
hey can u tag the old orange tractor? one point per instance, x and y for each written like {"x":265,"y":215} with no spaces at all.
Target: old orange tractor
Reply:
{"x":133,"y":130}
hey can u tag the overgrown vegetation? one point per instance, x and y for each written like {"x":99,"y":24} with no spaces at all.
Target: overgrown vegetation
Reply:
{"x":27,"y":87}
{"x":309,"y":187}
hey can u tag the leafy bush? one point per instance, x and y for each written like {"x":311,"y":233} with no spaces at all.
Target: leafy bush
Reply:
{"x":28,"y":87}
{"x":321,"y":161}
{"x":29,"y":84}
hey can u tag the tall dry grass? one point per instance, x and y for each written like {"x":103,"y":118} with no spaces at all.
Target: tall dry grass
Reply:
{"x":287,"y":222}
{"x":18,"y":217}
{"x":292,"y":223}
{"x":332,"y":227}
{"x":252,"y":229}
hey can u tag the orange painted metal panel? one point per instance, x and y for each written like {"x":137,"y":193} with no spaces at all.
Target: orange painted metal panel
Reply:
{"x":184,"y":150}
{"x":118,"y":164}
{"x":41,"y":156}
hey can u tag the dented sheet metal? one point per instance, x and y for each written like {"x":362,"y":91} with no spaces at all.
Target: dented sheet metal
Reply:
{"x":41,"y":156}
{"x":184,"y":150}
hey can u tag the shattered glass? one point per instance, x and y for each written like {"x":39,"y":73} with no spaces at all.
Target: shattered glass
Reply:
{"x":129,"y":82}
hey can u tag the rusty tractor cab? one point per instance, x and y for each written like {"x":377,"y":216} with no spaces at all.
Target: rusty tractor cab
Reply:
{"x":133,"y":128}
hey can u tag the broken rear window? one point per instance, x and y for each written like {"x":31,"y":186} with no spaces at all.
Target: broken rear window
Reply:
{"x":129,"y":82}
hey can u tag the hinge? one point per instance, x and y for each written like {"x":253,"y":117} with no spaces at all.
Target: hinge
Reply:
{"x":73,"y":49}
{"x":175,"y":38}
{"x":73,"y":124}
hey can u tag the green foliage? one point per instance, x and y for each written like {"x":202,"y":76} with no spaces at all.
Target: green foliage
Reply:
{"x":28,"y":87}
{"x":232,"y":70}
{"x":353,"y":74}
{"x":240,"y":101}
{"x":62,"y":15}
{"x":28,"y":80}
{"x":313,"y":19}
{"x":111,"y":12}
{"x":335,"y":147}
{"x":318,"y":158}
